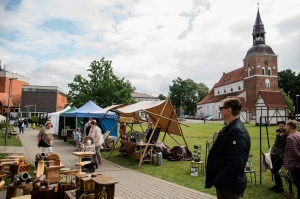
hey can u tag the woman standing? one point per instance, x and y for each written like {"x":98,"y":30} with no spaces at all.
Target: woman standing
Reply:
{"x":96,"y":134}
{"x":45,"y":137}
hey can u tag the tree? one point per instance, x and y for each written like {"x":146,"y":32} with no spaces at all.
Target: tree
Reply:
{"x":290,"y":83}
{"x":288,"y":101}
{"x":186,"y":94}
{"x":103,"y":87}
{"x":162,"y":97}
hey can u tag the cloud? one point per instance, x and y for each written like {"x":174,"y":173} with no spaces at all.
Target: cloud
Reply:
{"x":150,"y":43}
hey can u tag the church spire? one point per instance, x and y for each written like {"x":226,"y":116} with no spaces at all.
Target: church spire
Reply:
{"x":258,"y":31}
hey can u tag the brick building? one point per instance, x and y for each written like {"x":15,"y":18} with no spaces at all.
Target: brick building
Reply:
{"x":42,"y":99}
{"x":27,"y":100}
{"x":259,"y":72}
{"x":17,"y":81}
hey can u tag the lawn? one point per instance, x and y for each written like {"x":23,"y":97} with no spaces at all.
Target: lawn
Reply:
{"x":196,"y":134}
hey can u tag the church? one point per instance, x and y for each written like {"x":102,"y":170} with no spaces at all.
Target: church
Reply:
{"x":258,"y":73}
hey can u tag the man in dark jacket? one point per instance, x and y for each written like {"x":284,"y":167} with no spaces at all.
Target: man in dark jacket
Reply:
{"x":229,"y":154}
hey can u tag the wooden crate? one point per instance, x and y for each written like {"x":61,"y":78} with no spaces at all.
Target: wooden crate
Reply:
{"x":53,"y":173}
{"x":20,"y":168}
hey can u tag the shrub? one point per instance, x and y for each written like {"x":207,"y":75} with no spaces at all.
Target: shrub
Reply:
{"x":35,"y":119}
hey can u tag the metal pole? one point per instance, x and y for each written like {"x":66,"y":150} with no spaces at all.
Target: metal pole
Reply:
{"x":8,"y":111}
{"x":297,"y":107}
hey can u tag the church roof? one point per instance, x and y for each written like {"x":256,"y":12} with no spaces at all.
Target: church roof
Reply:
{"x":273,"y":99}
{"x":230,"y":77}
{"x":259,"y":40}
{"x":261,"y":49}
{"x":210,"y":98}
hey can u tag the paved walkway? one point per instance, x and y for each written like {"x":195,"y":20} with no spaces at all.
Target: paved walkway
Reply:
{"x":132,"y":183}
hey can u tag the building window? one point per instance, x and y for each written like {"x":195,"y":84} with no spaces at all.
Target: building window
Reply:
{"x":218,"y":92}
{"x":269,"y":71}
{"x":266,"y":62}
{"x":239,"y":88}
{"x":267,"y":83}
{"x":231,"y":89}
{"x":249,"y":72}
{"x":263,"y":71}
{"x":224,"y":90}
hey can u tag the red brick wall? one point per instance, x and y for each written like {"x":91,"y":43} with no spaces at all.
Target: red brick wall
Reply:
{"x":256,"y":81}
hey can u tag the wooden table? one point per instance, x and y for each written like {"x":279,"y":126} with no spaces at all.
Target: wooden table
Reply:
{"x":80,"y":164}
{"x":142,"y":146}
{"x":104,"y":183}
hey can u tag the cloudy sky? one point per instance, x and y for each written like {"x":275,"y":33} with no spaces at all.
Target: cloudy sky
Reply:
{"x":150,"y":42}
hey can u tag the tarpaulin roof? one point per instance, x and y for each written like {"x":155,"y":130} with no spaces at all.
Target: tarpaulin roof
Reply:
{"x":85,"y":111}
{"x":106,"y":110}
{"x":62,"y":114}
{"x":161,"y":111}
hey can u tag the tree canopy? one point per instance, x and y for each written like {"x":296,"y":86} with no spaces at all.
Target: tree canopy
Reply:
{"x":103,"y":87}
{"x":289,"y":82}
{"x":185,"y":94}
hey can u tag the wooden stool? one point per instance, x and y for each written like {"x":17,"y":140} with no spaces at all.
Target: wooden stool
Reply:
{"x":199,"y":165}
{"x":12,"y":189}
{"x":106,"y":185}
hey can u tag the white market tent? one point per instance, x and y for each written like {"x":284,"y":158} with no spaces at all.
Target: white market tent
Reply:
{"x":2,"y":119}
{"x":55,"y":119}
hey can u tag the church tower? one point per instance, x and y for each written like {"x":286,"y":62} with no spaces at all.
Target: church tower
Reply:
{"x":260,"y":69}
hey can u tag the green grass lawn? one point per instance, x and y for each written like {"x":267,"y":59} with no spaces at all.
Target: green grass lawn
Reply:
{"x":179,"y":171}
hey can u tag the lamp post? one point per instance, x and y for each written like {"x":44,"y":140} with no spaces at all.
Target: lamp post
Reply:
{"x":28,"y":109}
{"x":8,"y":111}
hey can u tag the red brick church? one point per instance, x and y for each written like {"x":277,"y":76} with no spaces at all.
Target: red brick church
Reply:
{"x":259,"y":72}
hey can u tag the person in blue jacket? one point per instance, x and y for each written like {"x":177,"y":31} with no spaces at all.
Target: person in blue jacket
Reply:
{"x":228,"y":156}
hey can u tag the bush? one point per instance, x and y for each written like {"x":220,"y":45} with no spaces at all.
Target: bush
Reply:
{"x":35,"y":119}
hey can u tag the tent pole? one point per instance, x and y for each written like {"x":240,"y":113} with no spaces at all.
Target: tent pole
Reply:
{"x":143,"y":154}
{"x":167,"y":118}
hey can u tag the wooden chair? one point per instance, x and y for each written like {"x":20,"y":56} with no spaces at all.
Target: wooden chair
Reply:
{"x":108,"y":141}
{"x":248,"y":168}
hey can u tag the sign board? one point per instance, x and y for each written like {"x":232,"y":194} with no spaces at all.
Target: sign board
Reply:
{"x":126,"y":119}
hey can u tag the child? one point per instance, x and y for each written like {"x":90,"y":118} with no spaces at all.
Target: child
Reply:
{"x":77,"y":138}
{"x":33,"y":126}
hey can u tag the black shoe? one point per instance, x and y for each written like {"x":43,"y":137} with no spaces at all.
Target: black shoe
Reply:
{"x":273,"y":188}
{"x":279,"y":190}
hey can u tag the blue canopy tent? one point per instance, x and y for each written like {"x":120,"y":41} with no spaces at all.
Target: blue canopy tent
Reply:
{"x":105,"y":121}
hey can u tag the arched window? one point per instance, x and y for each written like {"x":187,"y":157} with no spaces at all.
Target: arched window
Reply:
{"x":231,"y":89}
{"x":263,"y":71}
{"x":269,"y":71}
{"x":224,"y":90}
{"x":267,"y":83}
{"x":218,"y":92}
{"x":239,"y":88}
{"x":249,"y":70}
